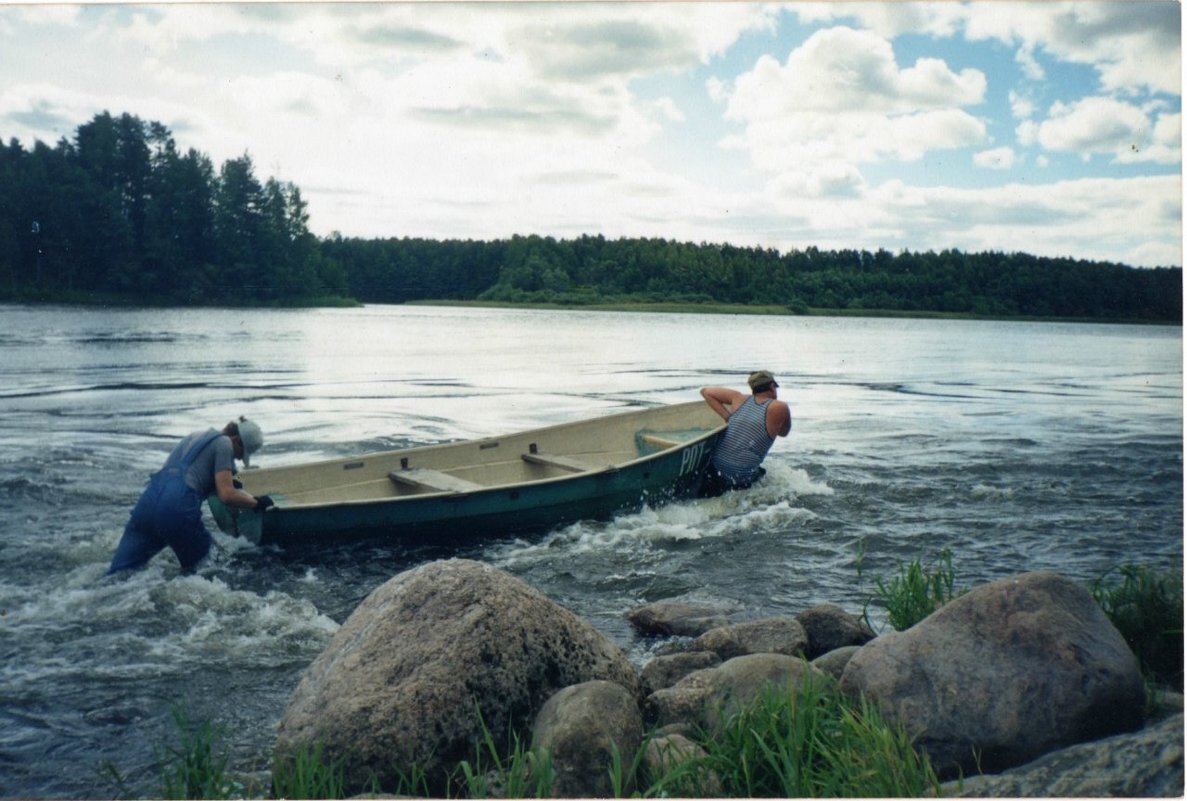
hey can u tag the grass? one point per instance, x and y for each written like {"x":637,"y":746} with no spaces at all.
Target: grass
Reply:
{"x":523,"y":773}
{"x":1146,"y":606}
{"x":308,"y":773}
{"x":195,"y":767}
{"x":917,"y":591}
{"x":811,"y":741}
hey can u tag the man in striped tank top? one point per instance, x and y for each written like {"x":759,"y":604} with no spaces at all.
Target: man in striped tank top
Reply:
{"x":753,"y":423}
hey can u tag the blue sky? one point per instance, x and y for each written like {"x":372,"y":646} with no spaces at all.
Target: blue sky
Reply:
{"x":1045,"y":127}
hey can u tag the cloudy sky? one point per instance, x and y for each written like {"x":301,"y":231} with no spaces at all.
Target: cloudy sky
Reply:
{"x":1042,"y":127}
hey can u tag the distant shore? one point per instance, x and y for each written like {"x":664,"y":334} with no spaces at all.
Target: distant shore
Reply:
{"x":656,"y":307}
{"x":777,"y":310}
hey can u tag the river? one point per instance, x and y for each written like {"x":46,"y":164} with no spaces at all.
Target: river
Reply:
{"x":1016,"y":446}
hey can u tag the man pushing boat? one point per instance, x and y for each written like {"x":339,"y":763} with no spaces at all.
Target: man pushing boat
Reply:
{"x":169,"y":511}
{"x":753,"y":422}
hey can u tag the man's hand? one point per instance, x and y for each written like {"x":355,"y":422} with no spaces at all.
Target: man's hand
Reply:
{"x":264,"y":502}
{"x":722,"y":400}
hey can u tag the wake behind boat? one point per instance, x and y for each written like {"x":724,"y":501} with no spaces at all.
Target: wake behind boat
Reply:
{"x":538,"y":479}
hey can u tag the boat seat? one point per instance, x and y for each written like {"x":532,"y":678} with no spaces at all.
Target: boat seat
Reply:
{"x":424,"y":478}
{"x":563,"y":462}
{"x":658,"y":441}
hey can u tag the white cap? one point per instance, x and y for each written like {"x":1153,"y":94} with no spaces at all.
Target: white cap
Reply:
{"x":251,"y":437}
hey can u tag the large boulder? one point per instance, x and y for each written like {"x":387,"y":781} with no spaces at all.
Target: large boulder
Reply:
{"x":580,"y":728}
{"x":1004,"y":674}
{"x":403,"y":681}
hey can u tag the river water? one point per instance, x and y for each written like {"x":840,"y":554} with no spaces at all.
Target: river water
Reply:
{"x":1016,"y":446}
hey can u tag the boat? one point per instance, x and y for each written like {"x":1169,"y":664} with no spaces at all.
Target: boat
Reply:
{"x":591,"y":469}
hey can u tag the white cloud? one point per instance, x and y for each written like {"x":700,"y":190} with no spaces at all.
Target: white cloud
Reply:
{"x":1135,"y":221}
{"x":1104,"y":125}
{"x":826,"y":180}
{"x":888,"y":19}
{"x":1027,"y":132}
{"x":1133,"y":46}
{"x":999,"y":158}
{"x":841,"y":69}
{"x":841,"y":100}
{"x":1021,"y":107}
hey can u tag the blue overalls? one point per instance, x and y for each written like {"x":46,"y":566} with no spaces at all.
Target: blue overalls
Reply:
{"x":169,"y":513}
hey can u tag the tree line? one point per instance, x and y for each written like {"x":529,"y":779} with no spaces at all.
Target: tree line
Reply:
{"x":595,"y":270}
{"x":119,"y":213}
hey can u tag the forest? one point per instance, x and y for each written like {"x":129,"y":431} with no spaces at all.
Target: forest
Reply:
{"x":118,"y":214}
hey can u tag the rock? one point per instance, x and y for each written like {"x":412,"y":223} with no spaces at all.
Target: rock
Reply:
{"x":667,"y":618}
{"x":404,"y":678}
{"x":740,"y":681}
{"x":706,"y":698}
{"x":680,"y":705}
{"x":666,"y":753}
{"x":1145,"y":764}
{"x":664,"y":671}
{"x":830,"y":627}
{"x":833,"y":663}
{"x":579,"y":728}
{"x":776,"y":635}
{"x":1012,"y":670}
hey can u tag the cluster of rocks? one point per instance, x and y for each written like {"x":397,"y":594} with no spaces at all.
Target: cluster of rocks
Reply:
{"x":1024,"y":679}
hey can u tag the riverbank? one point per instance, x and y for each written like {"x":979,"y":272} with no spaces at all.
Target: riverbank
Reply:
{"x":486,"y":656}
{"x":663,"y":307}
{"x":114,"y":300}
{"x":90,"y":299}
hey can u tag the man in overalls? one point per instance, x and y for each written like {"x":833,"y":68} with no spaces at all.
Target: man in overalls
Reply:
{"x":169,"y":511}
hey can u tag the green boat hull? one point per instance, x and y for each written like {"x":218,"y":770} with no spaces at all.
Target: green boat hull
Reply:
{"x":652,"y":479}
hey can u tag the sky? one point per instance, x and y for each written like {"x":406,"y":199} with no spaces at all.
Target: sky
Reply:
{"x":1040,"y":127}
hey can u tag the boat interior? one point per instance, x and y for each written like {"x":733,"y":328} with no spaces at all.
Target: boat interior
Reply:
{"x":566,"y":450}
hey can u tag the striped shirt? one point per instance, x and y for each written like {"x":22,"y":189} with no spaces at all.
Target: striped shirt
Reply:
{"x":744,"y":444}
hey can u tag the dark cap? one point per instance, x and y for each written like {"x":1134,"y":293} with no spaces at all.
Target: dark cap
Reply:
{"x":761,"y":379}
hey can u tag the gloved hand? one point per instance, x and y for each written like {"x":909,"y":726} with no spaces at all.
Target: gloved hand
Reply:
{"x":264,"y":502}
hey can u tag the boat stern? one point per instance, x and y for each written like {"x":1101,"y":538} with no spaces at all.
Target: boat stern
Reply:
{"x":246,"y":523}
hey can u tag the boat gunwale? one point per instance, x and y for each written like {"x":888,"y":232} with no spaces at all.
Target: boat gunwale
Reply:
{"x":546,"y":480}
{"x":484,"y":443}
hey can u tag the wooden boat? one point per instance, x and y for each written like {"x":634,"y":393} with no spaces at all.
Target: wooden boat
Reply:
{"x":539,"y":479}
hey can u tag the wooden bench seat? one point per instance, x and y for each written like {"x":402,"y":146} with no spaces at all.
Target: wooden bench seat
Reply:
{"x":563,"y":462}
{"x":658,"y":441}
{"x":424,"y":478}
